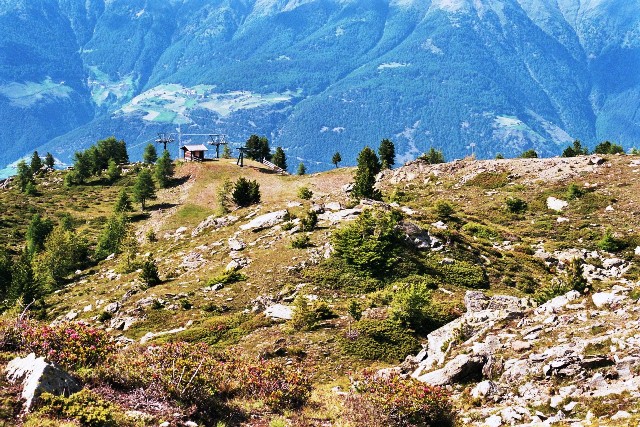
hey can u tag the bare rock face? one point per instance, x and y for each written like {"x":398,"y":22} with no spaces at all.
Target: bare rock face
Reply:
{"x":39,"y":376}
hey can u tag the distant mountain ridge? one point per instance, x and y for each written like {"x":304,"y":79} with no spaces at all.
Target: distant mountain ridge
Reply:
{"x":319,"y":76}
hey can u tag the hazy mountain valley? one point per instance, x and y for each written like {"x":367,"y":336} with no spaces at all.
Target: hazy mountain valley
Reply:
{"x":462,"y":76}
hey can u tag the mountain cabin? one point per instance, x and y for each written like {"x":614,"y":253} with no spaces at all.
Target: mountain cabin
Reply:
{"x":194,"y":152}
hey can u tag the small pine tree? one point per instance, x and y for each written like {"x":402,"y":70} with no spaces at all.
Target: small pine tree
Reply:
{"x":37,"y":233}
{"x":337,"y":158}
{"x":387,"y":153}
{"x":224,"y":197}
{"x":149,"y":274}
{"x":302,"y":169}
{"x":164,"y":170}
{"x":529,"y":154}
{"x":112,"y":236}
{"x":150,"y":154}
{"x":24,"y":288}
{"x":245,"y":192}
{"x":365,"y":177}
{"x":6,"y":264}
{"x":64,"y":252}
{"x":36,"y":163}
{"x":309,"y":221}
{"x":279,"y":158}
{"x":130,"y":248}
{"x":24,"y":176}
{"x":123,"y":204}
{"x":113,"y":171}
{"x":144,"y":189}
{"x":226,"y":152}
{"x":49,"y":161}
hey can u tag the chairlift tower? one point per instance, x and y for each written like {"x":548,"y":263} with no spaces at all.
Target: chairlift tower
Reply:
{"x":243,"y":151}
{"x":218,"y":139}
{"x":164,"y":139}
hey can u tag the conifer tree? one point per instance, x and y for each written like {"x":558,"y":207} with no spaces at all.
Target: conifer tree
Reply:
{"x":387,"y":153}
{"x":64,"y":252}
{"x":365,"y":178}
{"x":164,"y":170}
{"x":36,"y":163}
{"x":123,"y":204}
{"x":226,"y":152}
{"x":37,"y":233}
{"x":279,"y":158}
{"x":150,"y":154}
{"x":258,"y":148}
{"x":245,"y":192}
{"x":113,"y":171}
{"x":49,"y":161}
{"x":112,"y":236}
{"x":24,"y":287}
{"x":302,"y":169}
{"x":144,"y":189}
{"x":24,"y":177}
{"x":337,"y":158}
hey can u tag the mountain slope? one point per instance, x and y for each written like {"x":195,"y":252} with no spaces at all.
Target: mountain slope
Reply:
{"x":319,"y":76}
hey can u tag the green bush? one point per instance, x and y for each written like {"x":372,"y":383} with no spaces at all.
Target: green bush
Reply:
{"x":574,"y":192}
{"x":432,"y":156}
{"x":607,"y":147}
{"x":245,"y":192}
{"x":411,"y":306}
{"x":396,"y":401}
{"x":85,"y":407}
{"x":443,"y":209}
{"x":481,"y":231}
{"x":301,"y":241}
{"x":309,"y":221}
{"x":384,"y":340}
{"x":372,"y":243}
{"x":304,"y":193}
{"x":515,"y":205}
{"x":227,"y":278}
{"x":463,"y":273}
{"x":149,"y":274}
{"x":529,"y":154}
{"x":610,"y":243}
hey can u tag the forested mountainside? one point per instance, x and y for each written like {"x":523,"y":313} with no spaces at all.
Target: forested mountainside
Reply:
{"x":485,"y":76}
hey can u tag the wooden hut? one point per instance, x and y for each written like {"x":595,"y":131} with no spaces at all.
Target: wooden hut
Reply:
{"x":194,"y":152}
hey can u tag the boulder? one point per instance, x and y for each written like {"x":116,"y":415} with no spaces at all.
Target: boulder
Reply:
{"x":213,"y":222}
{"x":39,"y":376}
{"x":460,"y":368}
{"x":475,"y":301}
{"x":236,"y":244}
{"x":343,"y":215}
{"x":602,"y":299}
{"x":279,"y":312}
{"x":266,"y":221}
{"x":557,"y":205}
{"x":485,"y":390}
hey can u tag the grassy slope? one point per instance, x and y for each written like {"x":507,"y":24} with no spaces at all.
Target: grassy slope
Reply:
{"x":479,"y":200}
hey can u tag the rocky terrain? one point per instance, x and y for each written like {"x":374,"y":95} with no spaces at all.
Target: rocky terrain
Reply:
{"x":530,"y":344}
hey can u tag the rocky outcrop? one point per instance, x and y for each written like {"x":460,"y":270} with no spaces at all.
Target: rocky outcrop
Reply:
{"x":39,"y":376}
{"x":266,"y":221}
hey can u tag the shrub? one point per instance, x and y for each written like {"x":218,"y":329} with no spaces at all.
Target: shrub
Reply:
{"x":71,"y":345}
{"x":355,"y":310}
{"x":432,"y":156}
{"x":610,"y":243}
{"x":463,"y":273}
{"x":245,"y":192}
{"x":149,"y":273}
{"x":300,"y":242}
{"x":227,"y":278}
{"x":395,"y":401}
{"x":574,"y":192}
{"x":516,"y":205}
{"x":304,"y":193}
{"x":309,"y":221}
{"x":85,"y":407}
{"x":481,"y":231}
{"x":411,"y":306}
{"x":575,"y":150}
{"x":607,"y":147}
{"x":529,"y":154}
{"x":443,"y":209}
{"x":384,"y":340}
{"x":372,"y":242}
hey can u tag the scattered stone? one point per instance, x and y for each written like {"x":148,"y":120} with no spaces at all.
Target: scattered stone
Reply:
{"x":236,"y":244}
{"x":193,"y":260}
{"x":343,"y":215}
{"x":485,"y":389}
{"x":279,"y":312}
{"x":38,"y":376}
{"x":596,"y":160}
{"x":493,"y":421}
{"x":557,"y":205}
{"x":621,"y":415}
{"x":213,"y":222}
{"x":112,"y":308}
{"x":601,"y":299}
{"x":520,"y":346}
